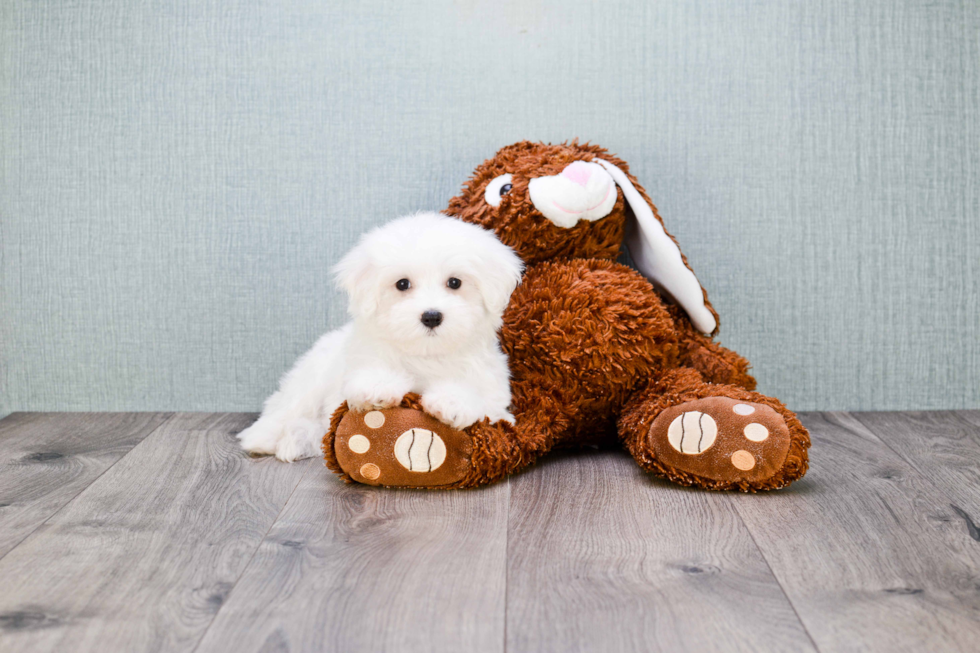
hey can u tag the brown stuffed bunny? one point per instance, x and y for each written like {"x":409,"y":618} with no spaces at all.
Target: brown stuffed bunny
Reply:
{"x":597,"y":354}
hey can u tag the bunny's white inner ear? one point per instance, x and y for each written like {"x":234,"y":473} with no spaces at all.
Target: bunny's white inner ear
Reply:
{"x":657,"y":257}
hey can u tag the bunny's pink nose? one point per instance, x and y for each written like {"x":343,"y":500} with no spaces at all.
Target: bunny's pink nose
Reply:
{"x":580,"y":172}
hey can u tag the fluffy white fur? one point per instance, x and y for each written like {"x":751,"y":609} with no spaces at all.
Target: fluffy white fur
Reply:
{"x":386,"y":351}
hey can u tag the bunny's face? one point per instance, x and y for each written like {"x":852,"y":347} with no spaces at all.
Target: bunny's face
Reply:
{"x":578,"y":201}
{"x":547,"y":201}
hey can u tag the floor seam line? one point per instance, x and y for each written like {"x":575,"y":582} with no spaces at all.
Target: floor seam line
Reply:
{"x":895,"y":451}
{"x":91,"y":483}
{"x":254,"y":553}
{"x":950,"y":499}
{"x":507,"y":563}
{"x":772,"y":573}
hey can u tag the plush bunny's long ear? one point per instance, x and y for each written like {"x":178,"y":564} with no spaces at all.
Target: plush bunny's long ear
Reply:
{"x":657,"y":257}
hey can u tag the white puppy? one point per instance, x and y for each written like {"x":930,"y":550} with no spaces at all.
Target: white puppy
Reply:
{"x":427,"y":294}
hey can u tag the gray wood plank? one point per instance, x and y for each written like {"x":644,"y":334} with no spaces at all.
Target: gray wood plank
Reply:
{"x":604,"y":558}
{"x":357,"y":568}
{"x":143,"y":558}
{"x":868,"y":550}
{"x":46,"y":459}
{"x":944,"y":446}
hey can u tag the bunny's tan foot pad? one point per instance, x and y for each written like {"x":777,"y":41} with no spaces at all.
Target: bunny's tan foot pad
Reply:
{"x":722,"y":439}
{"x":401,"y":447}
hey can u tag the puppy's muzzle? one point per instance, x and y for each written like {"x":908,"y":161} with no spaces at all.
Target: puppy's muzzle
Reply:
{"x":432,"y":319}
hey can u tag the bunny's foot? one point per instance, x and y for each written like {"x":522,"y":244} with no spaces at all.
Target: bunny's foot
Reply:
{"x":722,"y":439}
{"x":398,"y":447}
{"x":406,"y":447}
{"x":714,"y":436}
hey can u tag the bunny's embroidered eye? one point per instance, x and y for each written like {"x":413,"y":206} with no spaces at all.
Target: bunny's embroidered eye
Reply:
{"x":497,"y":188}
{"x":403,"y":284}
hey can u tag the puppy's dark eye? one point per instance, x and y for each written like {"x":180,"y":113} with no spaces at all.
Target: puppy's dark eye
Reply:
{"x":454,"y":283}
{"x":403,"y":284}
{"x":506,"y":188}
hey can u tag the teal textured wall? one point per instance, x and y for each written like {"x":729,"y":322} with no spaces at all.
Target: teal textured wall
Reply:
{"x":177,"y":177}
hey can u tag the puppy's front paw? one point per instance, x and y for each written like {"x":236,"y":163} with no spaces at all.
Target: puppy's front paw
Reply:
{"x":261,"y":438}
{"x":377,"y":391}
{"x":505,"y":416}
{"x":457,"y":408}
{"x":377,"y":400}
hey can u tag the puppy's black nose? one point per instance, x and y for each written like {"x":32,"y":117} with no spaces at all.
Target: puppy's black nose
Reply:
{"x":432,"y":319}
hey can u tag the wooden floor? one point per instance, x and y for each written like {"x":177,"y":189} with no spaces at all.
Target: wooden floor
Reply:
{"x":154,"y":532}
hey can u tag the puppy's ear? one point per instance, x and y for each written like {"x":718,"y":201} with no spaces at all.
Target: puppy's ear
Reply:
{"x":355,"y":275}
{"x":498,"y":272}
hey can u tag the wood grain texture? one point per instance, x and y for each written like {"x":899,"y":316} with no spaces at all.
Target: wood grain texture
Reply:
{"x":145,"y":556}
{"x":868,"y":550}
{"x":357,"y":568}
{"x":943,"y":446}
{"x":601,"y":557}
{"x":47,"y":459}
{"x":185,"y":544}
